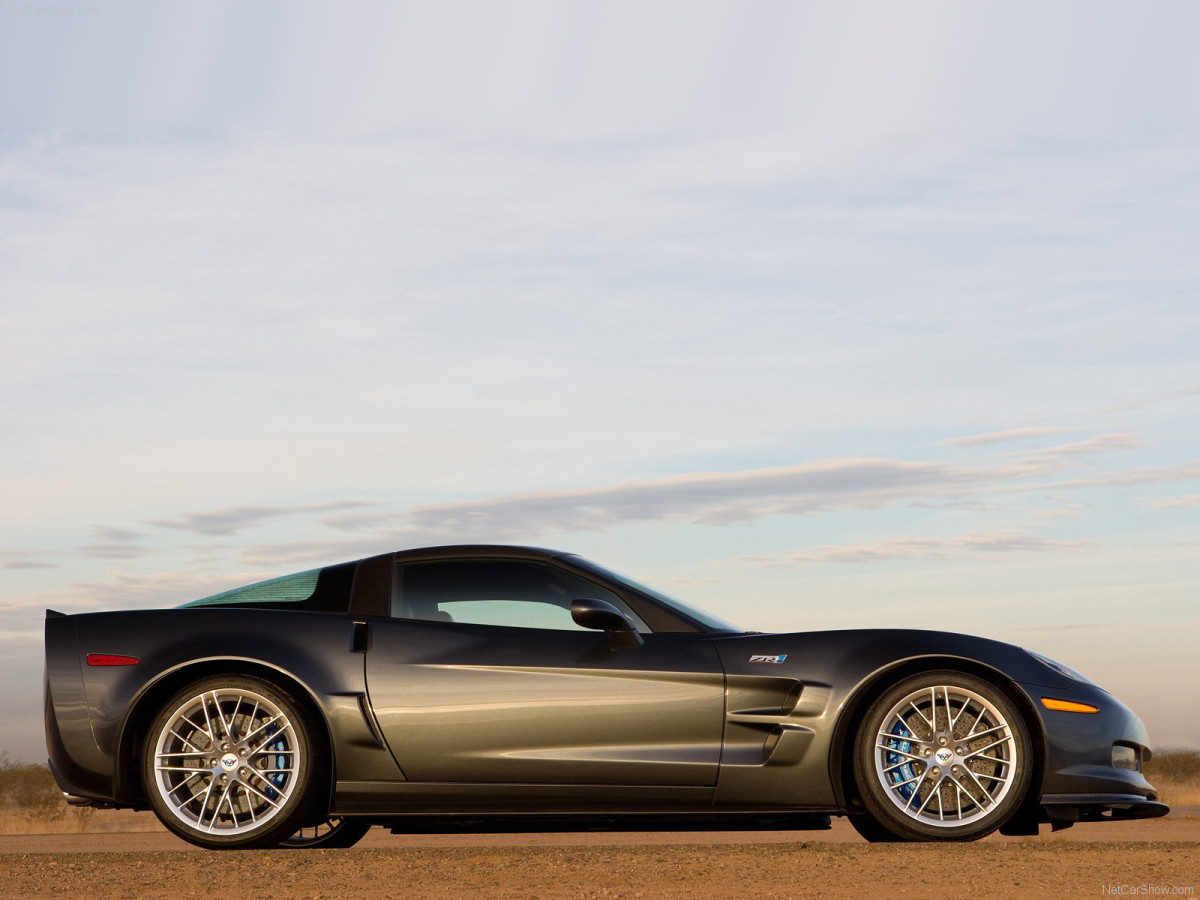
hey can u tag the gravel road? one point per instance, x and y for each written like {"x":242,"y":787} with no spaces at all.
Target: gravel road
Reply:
{"x":1112,"y":859}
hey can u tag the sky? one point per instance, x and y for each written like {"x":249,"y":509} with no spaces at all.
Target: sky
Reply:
{"x":818,"y":315}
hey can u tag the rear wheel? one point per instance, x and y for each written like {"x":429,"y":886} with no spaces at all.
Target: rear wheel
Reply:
{"x":943,"y":756}
{"x":230,"y":762}
{"x":336,"y":833}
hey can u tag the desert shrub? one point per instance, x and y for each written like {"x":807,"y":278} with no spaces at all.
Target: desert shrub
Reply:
{"x":1174,"y":764}
{"x":30,"y":788}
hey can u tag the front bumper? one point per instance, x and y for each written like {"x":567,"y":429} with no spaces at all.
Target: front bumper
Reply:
{"x":1080,"y":782}
{"x":1070,"y":808}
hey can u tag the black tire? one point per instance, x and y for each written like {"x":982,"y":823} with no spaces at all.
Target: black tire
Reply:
{"x":941,"y":756}
{"x":336,"y":833}
{"x":871,"y":830}
{"x":233,"y":762}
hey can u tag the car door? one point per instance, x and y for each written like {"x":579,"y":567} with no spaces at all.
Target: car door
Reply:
{"x":480,"y":675}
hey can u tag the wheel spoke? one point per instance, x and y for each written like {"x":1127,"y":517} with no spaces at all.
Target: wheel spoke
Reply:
{"x":286,"y":724}
{"x":954,"y":719}
{"x":987,"y":747}
{"x":250,"y":721}
{"x":901,"y":752}
{"x":936,"y":790}
{"x":186,"y":780}
{"x":207,"y":719}
{"x":187,"y":753}
{"x":900,"y":784}
{"x":251,"y":786}
{"x":922,"y":715}
{"x":987,"y":797}
{"x":1002,"y":762}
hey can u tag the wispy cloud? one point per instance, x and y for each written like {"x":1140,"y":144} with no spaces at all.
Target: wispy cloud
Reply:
{"x":1184,"y":501}
{"x":1149,"y":400}
{"x":966,"y":546}
{"x":1101,"y":443}
{"x":998,"y":437}
{"x":113,"y":543}
{"x":222,"y":522}
{"x":18,"y":559}
{"x":1185,"y":471}
{"x":722,"y":498}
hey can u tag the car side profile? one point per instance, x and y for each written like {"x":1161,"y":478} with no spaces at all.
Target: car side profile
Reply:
{"x":451,"y":686}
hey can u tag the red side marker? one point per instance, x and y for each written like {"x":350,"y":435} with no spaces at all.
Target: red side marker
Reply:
{"x":109,"y":659}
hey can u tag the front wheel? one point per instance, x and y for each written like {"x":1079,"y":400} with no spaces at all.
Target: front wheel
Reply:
{"x":943,"y":756}
{"x":230,"y":763}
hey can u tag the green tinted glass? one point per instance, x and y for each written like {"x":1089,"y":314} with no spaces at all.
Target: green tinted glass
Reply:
{"x":287,"y":589}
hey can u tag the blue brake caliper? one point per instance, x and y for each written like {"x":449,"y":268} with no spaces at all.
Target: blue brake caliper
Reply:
{"x":279,"y":761}
{"x":903,"y":772}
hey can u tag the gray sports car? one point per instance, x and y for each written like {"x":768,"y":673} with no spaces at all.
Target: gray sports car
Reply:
{"x":511,"y":687}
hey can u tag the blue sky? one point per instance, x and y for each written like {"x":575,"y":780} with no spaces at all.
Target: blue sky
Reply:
{"x":818,"y":315}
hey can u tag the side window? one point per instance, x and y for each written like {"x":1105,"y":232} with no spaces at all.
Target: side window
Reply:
{"x":510,"y":593}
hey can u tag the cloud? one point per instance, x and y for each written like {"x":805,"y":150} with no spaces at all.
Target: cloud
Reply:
{"x":1185,"y":501}
{"x":967,"y":546}
{"x":1149,"y":400}
{"x":18,"y":559}
{"x":997,"y":437}
{"x":716,"y":498}
{"x":1185,"y":471}
{"x":721,"y":498}
{"x":221,"y":522}
{"x":113,"y":543}
{"x":1101,"y":443}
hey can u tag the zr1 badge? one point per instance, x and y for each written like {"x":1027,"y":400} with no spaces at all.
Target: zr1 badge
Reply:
{"x":765,"y":657}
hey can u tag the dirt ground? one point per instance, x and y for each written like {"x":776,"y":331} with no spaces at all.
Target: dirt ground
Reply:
{"x":1149,"y":858}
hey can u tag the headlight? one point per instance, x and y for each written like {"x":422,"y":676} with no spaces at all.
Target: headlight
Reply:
{"x":1065,"y":671}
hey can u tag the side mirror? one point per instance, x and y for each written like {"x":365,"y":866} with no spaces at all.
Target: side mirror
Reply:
{"x":603,"y":616}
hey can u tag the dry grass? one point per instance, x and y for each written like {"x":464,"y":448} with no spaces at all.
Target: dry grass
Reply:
{"x":1176,"y":773}
{"x":31,"y":803}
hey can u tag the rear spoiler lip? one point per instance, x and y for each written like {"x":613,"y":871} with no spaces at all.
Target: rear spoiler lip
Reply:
{"x":55,"y":614}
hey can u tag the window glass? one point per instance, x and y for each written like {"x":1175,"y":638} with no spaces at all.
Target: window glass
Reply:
{"x":510,"y":593}
{"x":317,"y":590}
{"x":288,"y":589}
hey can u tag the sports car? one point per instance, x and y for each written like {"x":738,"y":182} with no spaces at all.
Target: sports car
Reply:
{"x":508,"y":687}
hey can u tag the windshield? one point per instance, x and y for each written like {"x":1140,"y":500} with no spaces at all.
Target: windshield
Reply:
{"x":706,"y":619}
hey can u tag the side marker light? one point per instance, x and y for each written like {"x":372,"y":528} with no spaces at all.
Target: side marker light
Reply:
{"x":109,"y":659}
{"x":1069,"y":706}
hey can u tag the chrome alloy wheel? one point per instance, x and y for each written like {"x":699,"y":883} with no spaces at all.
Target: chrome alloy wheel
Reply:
{"x":227,"y":761}
{"x":945,"y":756}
